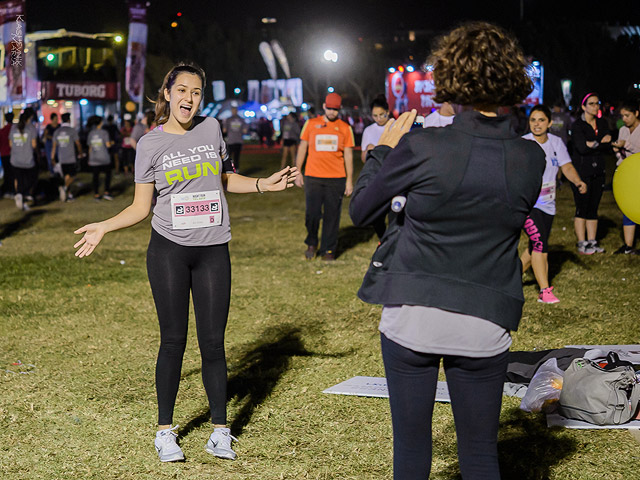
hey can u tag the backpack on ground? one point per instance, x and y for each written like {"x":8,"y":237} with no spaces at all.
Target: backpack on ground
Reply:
{"x":600,"y":395}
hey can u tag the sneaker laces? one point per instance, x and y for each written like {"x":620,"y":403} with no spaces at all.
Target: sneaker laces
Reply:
{"x":225,"y":437}
{"x":168,"y":434}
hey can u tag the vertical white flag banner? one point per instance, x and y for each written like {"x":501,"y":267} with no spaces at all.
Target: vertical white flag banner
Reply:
{"x":12,"y":19}
{"x":219,"y":90}
{"x":136,"y":50}
{"x":269,"y":60}
{"x":294,"y":91}
{"x":278,"y":51}
{"x":253,"y":91}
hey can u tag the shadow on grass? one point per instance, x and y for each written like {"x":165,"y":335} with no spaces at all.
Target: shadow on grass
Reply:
{"x":26,"y":221}
{"x":558,"y":256}
{"x":605,"y":224}
{"x":527,"y":448}
{"x":349,"y":237}
{"x":260,"y":370}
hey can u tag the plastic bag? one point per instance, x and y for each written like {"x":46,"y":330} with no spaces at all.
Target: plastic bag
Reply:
{"x":544,"y":389}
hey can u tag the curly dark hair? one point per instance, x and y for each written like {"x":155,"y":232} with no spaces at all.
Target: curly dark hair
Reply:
{"x":479,"y":64}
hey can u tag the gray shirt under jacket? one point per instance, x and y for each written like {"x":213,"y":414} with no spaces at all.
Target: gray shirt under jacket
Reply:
{"x":431,"y":330}
{"x":469,"y":188}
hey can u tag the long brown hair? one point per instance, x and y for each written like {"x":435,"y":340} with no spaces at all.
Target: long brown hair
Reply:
{"x":162,"y":106}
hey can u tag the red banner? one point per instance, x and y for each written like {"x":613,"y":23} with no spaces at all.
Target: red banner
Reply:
{"x":106,"y":91}
{"x":12,"y":18}
{"x":136,"y":50}
{"x":410,"y":90}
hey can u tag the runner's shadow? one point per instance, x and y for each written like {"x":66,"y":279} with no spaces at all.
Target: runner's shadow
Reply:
{"x":604,"y":225}
{"x":259,"y":371}
{"x":349,"y":237}
{"x":558,"y":256}
{"x":26,"y":221}
{"x":527,"y":448}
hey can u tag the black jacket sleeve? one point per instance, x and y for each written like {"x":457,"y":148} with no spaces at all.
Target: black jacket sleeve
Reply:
{"x":386,"y":173}
{"x":583,"y":133}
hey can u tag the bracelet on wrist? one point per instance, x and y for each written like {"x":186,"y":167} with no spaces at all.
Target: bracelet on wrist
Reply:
{"x":258,"y":186}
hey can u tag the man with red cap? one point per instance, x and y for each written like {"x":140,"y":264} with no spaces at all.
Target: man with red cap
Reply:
{"x":328,"y":176}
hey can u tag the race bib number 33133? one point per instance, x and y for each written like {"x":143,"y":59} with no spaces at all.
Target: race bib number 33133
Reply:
{"x":196,"y":210}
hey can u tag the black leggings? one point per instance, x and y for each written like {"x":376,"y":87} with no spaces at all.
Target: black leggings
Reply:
{"x":475,"y":386}
{"x":174,"y":271}
{"x":587,"y":204}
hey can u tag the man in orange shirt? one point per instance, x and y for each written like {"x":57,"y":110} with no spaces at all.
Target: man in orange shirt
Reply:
{"x":328,"y":175}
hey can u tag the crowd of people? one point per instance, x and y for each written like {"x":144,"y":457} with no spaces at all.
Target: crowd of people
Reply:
{"x":468,"y":181}
{"x":99,"y":146}
{"x":576,"y":148}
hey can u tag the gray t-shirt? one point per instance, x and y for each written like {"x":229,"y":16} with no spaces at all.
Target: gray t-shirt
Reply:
{"x":22,"y":146}
{"x":234,"y":125}
{"x":191,"y":207}
{"x":290,"y":130}
{"x":138,"y":131}
{"x":432,"y":330}
{"x":65,"y":139}
{"x":97,"y":144}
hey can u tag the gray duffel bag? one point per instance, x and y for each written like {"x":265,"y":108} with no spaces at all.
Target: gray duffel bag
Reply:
{"x":597,"y":395}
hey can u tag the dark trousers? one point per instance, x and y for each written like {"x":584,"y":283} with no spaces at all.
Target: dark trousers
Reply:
{"x":174,"y":272}
{"x":7,"y":184}
{"x":26,"y":179}
{"x":324,"y":202}
{"x":475,"y":386}
{"x":234,"y":150}
{"x":106,"y":169}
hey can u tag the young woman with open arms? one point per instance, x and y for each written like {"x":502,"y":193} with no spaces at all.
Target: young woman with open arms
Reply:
{"x":186,"y":161}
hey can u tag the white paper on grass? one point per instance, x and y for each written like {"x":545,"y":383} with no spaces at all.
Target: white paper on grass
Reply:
{"x":377,"y":387}
{"x":556,"y":420}
{"x":630,"y":353}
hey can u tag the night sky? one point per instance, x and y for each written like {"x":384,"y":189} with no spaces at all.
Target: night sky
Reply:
{"x":359,"y":17}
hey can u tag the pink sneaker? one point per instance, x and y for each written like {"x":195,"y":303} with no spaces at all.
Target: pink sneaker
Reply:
{"x":547,"y":296}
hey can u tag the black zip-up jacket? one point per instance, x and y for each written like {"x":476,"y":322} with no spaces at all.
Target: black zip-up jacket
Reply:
{"x":469,"y":189}
{"x":589,"y":162}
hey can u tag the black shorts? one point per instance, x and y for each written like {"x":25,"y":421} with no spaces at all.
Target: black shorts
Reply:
{"x":538,"y":227}
{"x":289,"y":142}
{"x":69,"y":169}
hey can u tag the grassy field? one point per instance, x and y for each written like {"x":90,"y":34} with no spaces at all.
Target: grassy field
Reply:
{"x":87,"y":410}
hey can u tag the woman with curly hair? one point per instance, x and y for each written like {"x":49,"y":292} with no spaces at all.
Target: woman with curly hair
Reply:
{"x":447,"y":269}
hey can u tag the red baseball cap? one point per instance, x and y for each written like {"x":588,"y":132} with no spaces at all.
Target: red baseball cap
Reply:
{"x":333,"y":101}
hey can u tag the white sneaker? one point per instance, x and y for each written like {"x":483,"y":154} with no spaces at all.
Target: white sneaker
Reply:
{"x":166,"y":446}
{"x":62,"y":193}
{"x":585,"y":248}
{"x":19,"y":202}
{"x":219,"y":443}
{"x":595,"y":246}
